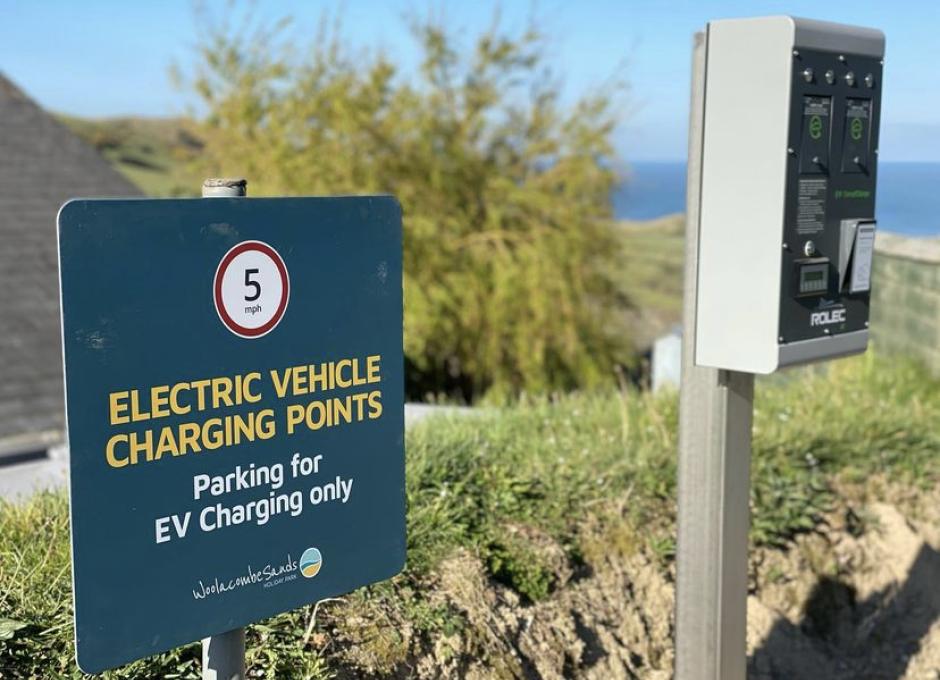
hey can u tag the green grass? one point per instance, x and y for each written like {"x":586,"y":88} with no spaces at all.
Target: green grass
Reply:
{"x":591,"y":473}
{"x":153,"y":153}
{"x":652,"y":258}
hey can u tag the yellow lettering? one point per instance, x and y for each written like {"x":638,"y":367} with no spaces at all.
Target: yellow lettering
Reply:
{"x":113,"y":460}
{"x":295,"y":414}
{"x":167,"y":444}
{"x":264,"y":424}
{"x":372,"y":368}
{"x":324,"y":418}
{"x":136,"y":413}
{"x":280,"y":385}
{"x":118,"y":408}
{"x":189,"y":438}
{"x":175,"y":399}
{"x":375,"y":404}
{"x":342,"y":382}
{"x":159,"y":400}
{"x":138,"y":447}
{"x":213,"y":436}
{"x":342,"y":410}
{"x":321,"y":377}
{"x":221,"y":392}
{"x":249,"y":396}
{"x":300,"y":381}
{"x":200,"y":386}
{"x":359,"y":398}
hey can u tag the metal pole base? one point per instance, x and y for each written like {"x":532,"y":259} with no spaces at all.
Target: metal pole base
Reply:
{"x":223,"y":656}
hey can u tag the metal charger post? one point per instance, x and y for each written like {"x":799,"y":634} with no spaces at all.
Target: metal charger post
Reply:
{"x":223,"y":655}
{"x":716,"y":408}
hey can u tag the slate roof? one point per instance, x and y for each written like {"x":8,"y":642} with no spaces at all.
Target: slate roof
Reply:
{"x":42,"y":164}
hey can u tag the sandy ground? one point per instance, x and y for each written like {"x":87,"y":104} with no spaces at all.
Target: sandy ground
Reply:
{"x":859,"y":599}
{"x":843,"y":605}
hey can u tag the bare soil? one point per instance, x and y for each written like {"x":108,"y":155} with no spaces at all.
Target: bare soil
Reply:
{"x":858,"y":599}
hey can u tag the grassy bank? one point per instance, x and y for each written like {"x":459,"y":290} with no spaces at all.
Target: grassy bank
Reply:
{"x":153,"y":153}
{"x":536,"y":494}
{"x":651,"y":273}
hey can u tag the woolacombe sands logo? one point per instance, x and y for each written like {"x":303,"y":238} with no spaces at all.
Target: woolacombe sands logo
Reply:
{"x":310,"y":562}
{"x":251,"y":289}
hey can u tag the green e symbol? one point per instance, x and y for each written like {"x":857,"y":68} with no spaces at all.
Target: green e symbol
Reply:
{"x":856,"y":128}
{"x":815,"y":127}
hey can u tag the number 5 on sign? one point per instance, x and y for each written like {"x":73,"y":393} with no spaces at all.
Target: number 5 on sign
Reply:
{"x":252,"y":284}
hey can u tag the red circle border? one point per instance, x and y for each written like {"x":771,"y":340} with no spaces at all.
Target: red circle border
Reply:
{"x":229,"y":322}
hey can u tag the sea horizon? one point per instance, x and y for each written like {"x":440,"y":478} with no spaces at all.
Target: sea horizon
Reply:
{"x":908,"y":200}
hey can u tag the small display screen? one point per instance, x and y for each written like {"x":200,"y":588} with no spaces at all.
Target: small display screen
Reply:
{"x":814,"y":278}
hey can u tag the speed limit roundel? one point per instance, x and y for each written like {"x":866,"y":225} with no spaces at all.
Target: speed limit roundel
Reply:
{"x":251,"y":289}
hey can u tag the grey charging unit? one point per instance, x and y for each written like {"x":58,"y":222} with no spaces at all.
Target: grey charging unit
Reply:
{"x":786,"y":228}
{"x":783,"y":150}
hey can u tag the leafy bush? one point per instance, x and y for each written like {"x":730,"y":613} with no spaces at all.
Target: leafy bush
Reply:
{"x":509,"y":248}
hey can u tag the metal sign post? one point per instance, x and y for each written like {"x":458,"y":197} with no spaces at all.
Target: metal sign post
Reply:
{"x":714,"y":471}
{"x":223,"y":656}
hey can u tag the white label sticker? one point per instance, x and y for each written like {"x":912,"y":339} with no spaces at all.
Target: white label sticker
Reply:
{"x":811,"y":206}
{"x":862,"y":257}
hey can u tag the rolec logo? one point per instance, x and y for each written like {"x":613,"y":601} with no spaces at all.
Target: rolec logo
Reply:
{"x":827,"y":317}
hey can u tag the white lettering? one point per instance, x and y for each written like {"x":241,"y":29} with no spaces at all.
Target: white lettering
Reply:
{"x":827,"y":317}
{"x":200,"y":484}
{"x":162,"y":530}
{"x":181,"y":527}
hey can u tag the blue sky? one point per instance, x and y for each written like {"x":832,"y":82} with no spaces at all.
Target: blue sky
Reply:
{"x":110,"y":57}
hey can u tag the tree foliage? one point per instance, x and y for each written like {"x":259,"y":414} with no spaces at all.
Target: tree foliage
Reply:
{"x":509,"y":239}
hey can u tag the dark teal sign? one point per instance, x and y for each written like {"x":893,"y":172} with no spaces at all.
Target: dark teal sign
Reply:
{"x":234,"y":384}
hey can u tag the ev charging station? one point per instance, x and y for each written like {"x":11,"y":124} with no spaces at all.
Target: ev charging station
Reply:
{"x":783,"y":150}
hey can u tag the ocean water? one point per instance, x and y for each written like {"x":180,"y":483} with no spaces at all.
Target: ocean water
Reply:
{"x":908,"y":199}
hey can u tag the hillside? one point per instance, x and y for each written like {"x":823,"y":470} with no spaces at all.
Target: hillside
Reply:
{"x":651,"y":273}
{"x":153,"y":153}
